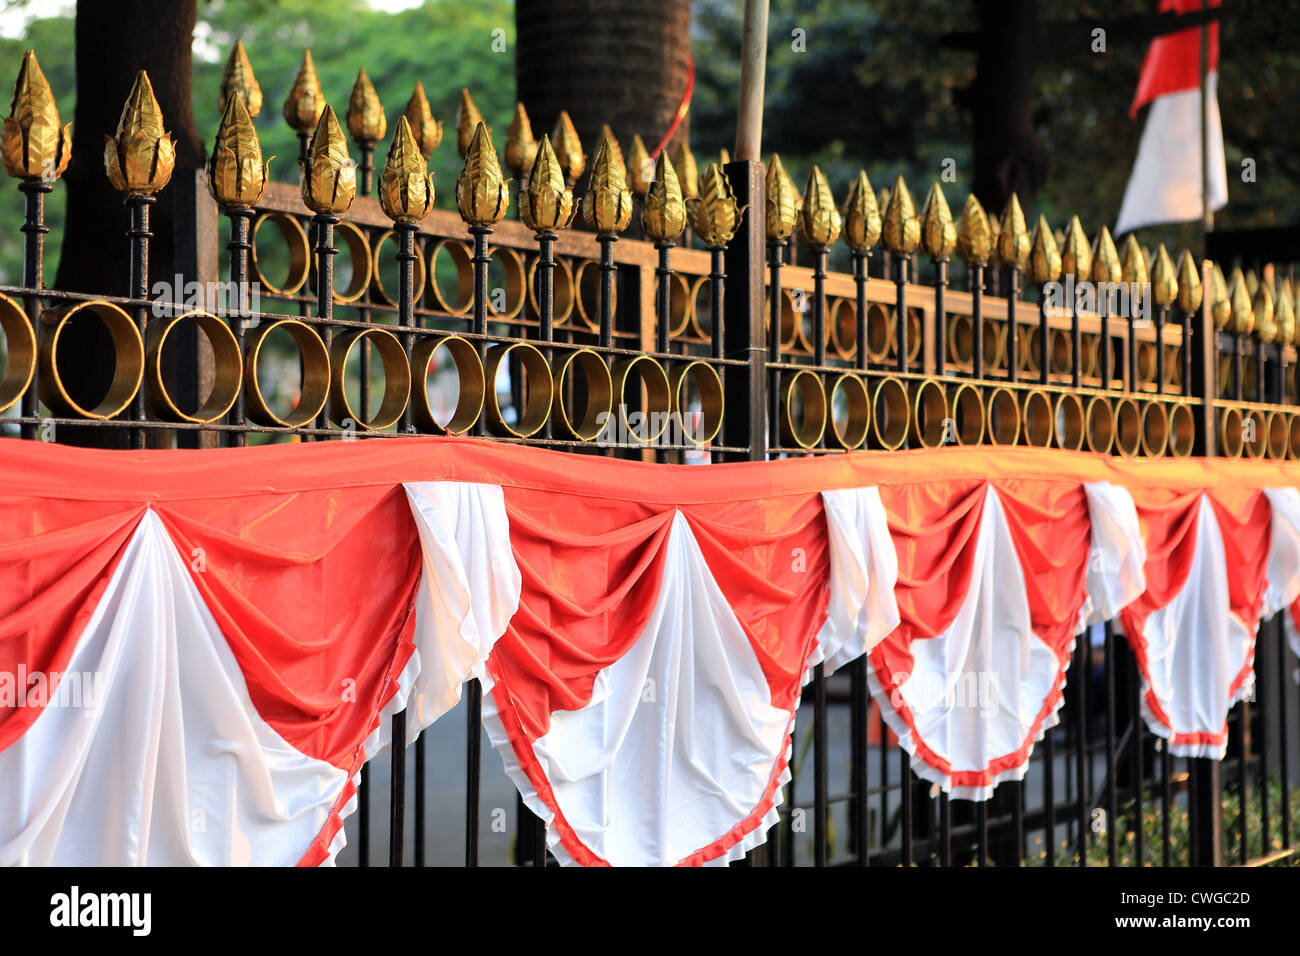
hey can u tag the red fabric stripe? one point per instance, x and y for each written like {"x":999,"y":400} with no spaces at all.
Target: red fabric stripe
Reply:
{"x":1173,"y":61}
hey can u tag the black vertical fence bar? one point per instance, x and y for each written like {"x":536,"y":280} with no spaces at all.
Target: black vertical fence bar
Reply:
{"x":1080,"y":685}
{"x":481,"y":261}
{"x":1243,"y":778}
{"x":1160,"y":349}
{"x":367,"y":167}
{"x":717,"y":276}
{"x":900,"y":314}
{"x":1017,"y":822}
{"x":363,"y":817}
{"x":1049,"y":798}
{"x":945,"y":830}
{"x":1166,"y":803}
{"x":861,"y":260}
{"x":324,"y":225}
{"x":139,"y":236}
{"x":1013,"y":297}
{"x":776,"y":253}
{"x":419,"y":800}
{"x":977,"y":319}
{"x":663,"y":293}
{"x":239,"y":248}
{"x":1076,"y":342}
{"x":1103,"y":349}
{"x":982,"y":831}
{"x":1262,"y":665}
{"x":473,"y":722}
{"x":546,"y":301}
{"x":884,"y":780}
{"x":940,"y":316}
{"x":1284,"y":737}
{"x":1238,"y":384}
{"x":1138,"y":775}
{"x":860,"y":818}
{"x":1130,"y":377}
{"x":607,"y":290}
{"x":1259,"y":370}
{"x":1186,"y":353}
{"x":1044,"y":340}
{"x":819,"y":766}
{"x":406,"y":306}
{"x":1112,"y":795}
{"x":1195,"y":833}
{"x":397,"y":793}
{"x":786,"y":854}
{"x":34,"y":230}
{"x":905,"y":777}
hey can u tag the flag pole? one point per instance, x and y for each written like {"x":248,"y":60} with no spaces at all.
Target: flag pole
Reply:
{"x":1207,"y":214}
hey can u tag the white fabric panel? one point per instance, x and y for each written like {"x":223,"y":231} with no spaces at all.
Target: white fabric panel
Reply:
{"x":1283,"y":551}
{"x":861,"y":610}
{"x":173,"y":765}
{"x":679,"y":740}
{"x":1165,"y":185}
{"x":976,"y":689}
{"x":1195,"y":648}
{"x":1117,"y":556}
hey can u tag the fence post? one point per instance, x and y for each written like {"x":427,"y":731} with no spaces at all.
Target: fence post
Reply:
{"x":742,"y":328}
{"x":195,"y":254}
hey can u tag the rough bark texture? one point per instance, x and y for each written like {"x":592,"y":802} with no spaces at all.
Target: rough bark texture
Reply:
{"x":114,"y":40}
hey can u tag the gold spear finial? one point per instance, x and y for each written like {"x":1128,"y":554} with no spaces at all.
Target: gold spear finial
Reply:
{"x":328,"y":178}
{"x":467,"y":119}
{"x":640,"y":167}
{"x":1076,"y":255}
{"x":974,"y":233}
{"x":611,"y":144}
{"x":568,"y":148}
{"x":366,"y":120}
{"x":32,"y":143}
{"x":236,"y":173}
{"x":688,"y":174}
{"x":1285,"y":314}
{"x":482,"y":195}
{"x":780,"y":201}
{"x":715,"y":214}
{"x":938,"y":231}
{"x":1013,"y":238}
{"x":140,"y":159}
{"x":1189,"y":283}
{"x":607,"y":206}
{"x":1252,"y":282}
{"x":521,"y":148}
{"x":663,"y":214}
{"x":1164,"y":278}
{"x":1044,"y":262}
{"x":426,"y":129}
{"x":1265,"y":316}
{"x":1133,"y":265}
{"x":862,"y":225}
{"x":1105,"y":259}
{"x":821,"y":219}
{"x":901,"y":229}
{"x":995,"y":230}
{"x":405,"y":188}
{"x":546,"y":201}
{"x":305,"y":102}
{"x":724,"y":157}
{"x":238,"y":80}
{"x":1220,"y":301}
{"x":1243,"y":313}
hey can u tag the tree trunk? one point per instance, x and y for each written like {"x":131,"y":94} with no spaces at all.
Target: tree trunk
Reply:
{"x":114,"y":40}
{"x":621,"y":62}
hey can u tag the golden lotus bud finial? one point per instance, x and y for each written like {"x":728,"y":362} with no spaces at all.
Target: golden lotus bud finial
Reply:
{"x":32,"y":143}
{"x":688,"y":174}
{"x":607,"y":206}
{"x":974,"y":233}
{"x":546,"y":201}
{"x":467,"y":121}
{"x":1133,"y":265}
{"x":521,"y":148}
{"x":1076,"y":254}
{"x":1013,"y":238}
{"x":821,"y":219}
{"x":1243,"y":312}
{"x":995,"y":230}
{"x":568,"y":148}
{"x":716,"y":213}
{"x":610,"y":142}
{"x":724,"y":157}
{"x":238,"y":80}
{"x":663,"y":214}
{"x":305,"y":102}
{"x":427,"y":130}
{"x":236,"y":173}
{"x":1164,"y":279}
{"x":1189,"y":283}
{"x":1044,"y":263}
{"x":938,"y":231}
{"x":781,"y":201}
{"x":328,"y":178}
{"x":1252,"y":282}
{"x":1220,"y":301}
{"x":366,"y":120}
{"x":901,"y":229}
{"x":861,"y":215}
{"x":482,"y":195}
{"x":1265,"y":313}
{"x":140,"y":158}
{"x":405,"y":188}
{"x":640,"y":167}
{"x":1285,"y":314}
{"x":1105,"y":259}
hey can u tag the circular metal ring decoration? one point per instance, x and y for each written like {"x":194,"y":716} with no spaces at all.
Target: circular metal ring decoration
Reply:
{"x":850,"y":430}
{"x":315,"y":375}
{"x":1088,"y":370}
{"x":961,"y":343}
{"x":586,"y":279}
{"x":656,"y":410}
{"x":698,"y":328}
{"x":1099,"y":425}
{"x":598,"y":386}
{"x":679,"y":304}
{"x":890,"y":416}
{"x":709,"y":386}
{"x":842,"y":324}
{"x":1146,"y":364}
{"x":1128,"y":427}
{"x":419,"y":272}
{"x":807,"y":386}
{"x":929,"y":414}
{"x":538,"y":390}
{"x":1070,"y":422}
{"x":20,"y":349}
{"x":967,"y":406}
{"x":1255,"y":433}
{"x":295,"y":239}
{"x":1278,"y":435}
{"x":469,"y":393}
{"x":397,"y":379}
{"x":914,"y":325}
{"x":128,"y":362}
{"x":1037,"y":418}
{"x":227,"y":369}
{"x":362,"y":266}
{"x":789,"y":340}
{"x":460,"y":257}
{"x":1230,"y":432}
{"x":1155,"y":429}
{"x":516,"y":280}
{"x":1293,"y":436}
{"x":1182,"y":430}
{"x":1003,"y":410}
{"x":561,"y":291}
{"x":1062,"y":352}
{"x":880,"y":332}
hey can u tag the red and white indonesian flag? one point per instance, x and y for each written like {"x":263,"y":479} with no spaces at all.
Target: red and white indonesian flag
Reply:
{"x":1166,"y":181}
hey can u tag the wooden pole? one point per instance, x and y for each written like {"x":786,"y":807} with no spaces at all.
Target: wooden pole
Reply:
{"x":753,"y":69}
{"x":1207,"y":214}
